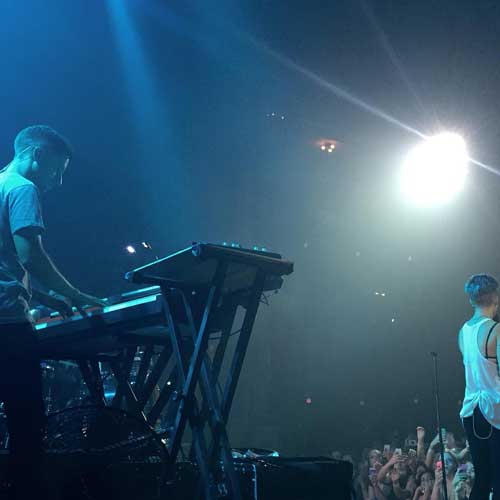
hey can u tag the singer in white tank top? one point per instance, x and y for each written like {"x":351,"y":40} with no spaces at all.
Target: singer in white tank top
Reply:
{"x":480,"y":413}
{"x":478,"y":344}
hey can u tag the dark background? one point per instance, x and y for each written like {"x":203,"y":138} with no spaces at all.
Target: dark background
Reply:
{"x":169,"y":107}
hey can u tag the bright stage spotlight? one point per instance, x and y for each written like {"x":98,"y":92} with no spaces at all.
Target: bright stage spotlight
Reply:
{"x":435,"y":170}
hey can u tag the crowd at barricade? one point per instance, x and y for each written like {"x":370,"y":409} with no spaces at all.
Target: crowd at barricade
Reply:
{"x":414,"y":471}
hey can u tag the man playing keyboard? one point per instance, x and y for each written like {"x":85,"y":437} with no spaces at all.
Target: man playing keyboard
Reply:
{"x":40,"y":160}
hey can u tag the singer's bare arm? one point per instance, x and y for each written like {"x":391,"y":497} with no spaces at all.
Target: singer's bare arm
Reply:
{"x":497,"y":350}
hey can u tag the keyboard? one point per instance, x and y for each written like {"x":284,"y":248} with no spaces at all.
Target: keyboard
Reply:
{"x":105,"y":330}
{"x":196,"y":265}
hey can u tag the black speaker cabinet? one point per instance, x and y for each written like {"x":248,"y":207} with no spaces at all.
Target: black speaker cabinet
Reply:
{"x":304,"y":479}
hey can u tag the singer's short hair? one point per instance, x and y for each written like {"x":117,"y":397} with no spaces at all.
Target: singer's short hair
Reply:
{"x":42,"y":136}
{"x":481,"y":289}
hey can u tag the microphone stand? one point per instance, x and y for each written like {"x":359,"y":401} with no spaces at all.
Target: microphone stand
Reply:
{"x":438,"y":419}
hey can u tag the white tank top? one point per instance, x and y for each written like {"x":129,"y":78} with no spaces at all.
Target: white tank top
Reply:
{"x":482,"y":383}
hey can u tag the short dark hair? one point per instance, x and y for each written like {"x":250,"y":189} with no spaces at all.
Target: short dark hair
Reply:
{"x":42,"y":136}
{"x":481,"y":288}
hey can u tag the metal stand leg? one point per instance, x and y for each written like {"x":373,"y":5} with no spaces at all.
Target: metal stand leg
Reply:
{"x":92,"y":377}
{"x":239,"y":356}
{"x":122,"y":373}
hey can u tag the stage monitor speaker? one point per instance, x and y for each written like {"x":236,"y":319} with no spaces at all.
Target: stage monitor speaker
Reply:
{"x":313,"y":478}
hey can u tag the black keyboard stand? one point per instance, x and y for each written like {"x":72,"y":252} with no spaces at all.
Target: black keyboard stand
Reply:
{"x":189,"y":337}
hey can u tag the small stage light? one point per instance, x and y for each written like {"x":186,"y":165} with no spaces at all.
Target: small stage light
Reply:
{"x":435,"y":170}
{"x":326,"y":145}
{"x":130,"y":249}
